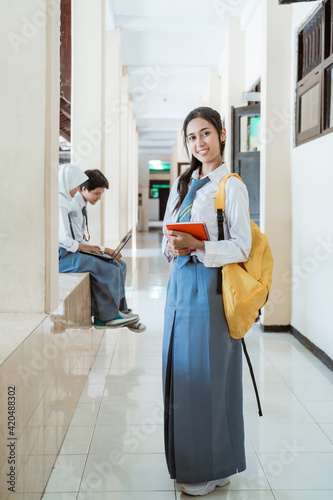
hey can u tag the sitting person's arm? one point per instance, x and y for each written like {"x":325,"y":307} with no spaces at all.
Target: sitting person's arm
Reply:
{"x":80,"y":228}
{"x":110,"y":252}
{"x":66,"y":240}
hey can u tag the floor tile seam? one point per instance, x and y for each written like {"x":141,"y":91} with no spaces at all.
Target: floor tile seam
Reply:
{"x":263,"y":470}
{"x":266,"y":359}
{"x":135,"y":383}
{"x":330,"y":439}
{"x":123,"y":425}
{"x":82,"y":474}
{"x":132,"y":491}
{"x":113,"y":353}
{"x":95,"y":424}
{"x":306,"y":400}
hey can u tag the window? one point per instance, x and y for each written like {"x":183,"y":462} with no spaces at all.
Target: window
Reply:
{"x":249,"y":134}
{"x":314,"y":91}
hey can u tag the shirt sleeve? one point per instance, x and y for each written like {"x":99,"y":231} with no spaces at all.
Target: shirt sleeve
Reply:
{"x":79,"y":225}
{"x":65,"y":237}
{"x":77,"y":221}
{"x":236,"y":246}
{"x":169,"y":216}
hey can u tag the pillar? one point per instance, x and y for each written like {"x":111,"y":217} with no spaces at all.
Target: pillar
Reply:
{"x":124,"y":152}
{"x":87,"y":119}
{"x":275,"y":202}
{"x":29,"y":136}
{"x":233,"y":77}
{"x":112,"y":147}
{"x":214,"y":91}
{"x":136,"y":173}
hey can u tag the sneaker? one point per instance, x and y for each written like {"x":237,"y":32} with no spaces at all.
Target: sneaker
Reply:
{"x":129,"y":311}
{"x":124,"y":320}
{"x":137,"y":327}
{"x":129,"y":315}
{"x":201,"y":489}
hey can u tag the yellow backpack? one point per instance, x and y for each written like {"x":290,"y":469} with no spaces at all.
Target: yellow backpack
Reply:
{"x":245,"y":285}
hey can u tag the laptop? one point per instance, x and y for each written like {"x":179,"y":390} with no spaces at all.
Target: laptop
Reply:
{"x":110,"y":258}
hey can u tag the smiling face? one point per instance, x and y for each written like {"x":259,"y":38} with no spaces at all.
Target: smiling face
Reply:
{"x":204,"y":142}
{"x":92,"y":196}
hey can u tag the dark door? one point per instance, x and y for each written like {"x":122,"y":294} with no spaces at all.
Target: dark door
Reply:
{"x":246,"y":152}
{"x":163,"y":195}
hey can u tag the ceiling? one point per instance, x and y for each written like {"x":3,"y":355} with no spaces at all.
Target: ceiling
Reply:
{"x":169,"y":47}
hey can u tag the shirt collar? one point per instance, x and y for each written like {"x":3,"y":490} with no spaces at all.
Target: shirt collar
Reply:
{"x":80,"y":199}
{"x":214,"y":176}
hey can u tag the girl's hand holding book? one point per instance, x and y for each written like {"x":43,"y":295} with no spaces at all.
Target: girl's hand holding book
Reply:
{"x":180,"y":243}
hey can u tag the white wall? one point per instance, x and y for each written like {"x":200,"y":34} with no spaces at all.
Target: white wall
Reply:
{"x":87,"y":96}
{"x":29,"y":135}
{"x":312,"y":229}
{"x":252,"y":25}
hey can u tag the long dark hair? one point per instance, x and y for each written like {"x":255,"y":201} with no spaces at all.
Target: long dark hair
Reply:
{"x":214,"y":118}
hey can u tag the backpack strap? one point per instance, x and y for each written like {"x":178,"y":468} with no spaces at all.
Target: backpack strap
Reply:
{"x":220,"y":208}
{"x":252,"y":376}
{"x":220,"y":193}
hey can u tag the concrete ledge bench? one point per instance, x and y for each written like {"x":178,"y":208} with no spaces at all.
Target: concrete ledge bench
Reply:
{"x":44,"y":364}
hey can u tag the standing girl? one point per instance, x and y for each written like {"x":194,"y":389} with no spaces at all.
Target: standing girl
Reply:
{"x":202,"y":364}
{"x":106,"y":280}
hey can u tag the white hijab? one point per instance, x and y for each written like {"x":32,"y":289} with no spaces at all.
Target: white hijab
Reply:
{"x":70,"y":176}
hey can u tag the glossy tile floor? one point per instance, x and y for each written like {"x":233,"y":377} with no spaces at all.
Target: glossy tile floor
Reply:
{"x":113,"y":449}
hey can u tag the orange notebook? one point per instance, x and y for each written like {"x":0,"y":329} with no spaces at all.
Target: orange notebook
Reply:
{"x":197,"y":229}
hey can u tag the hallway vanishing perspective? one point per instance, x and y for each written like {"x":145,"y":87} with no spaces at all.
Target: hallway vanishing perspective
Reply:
{"x":113,"y":449}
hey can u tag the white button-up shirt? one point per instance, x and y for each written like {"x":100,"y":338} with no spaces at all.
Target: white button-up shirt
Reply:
{"x":236,"y":246}
{"x":79,"y":221}
{"x":66,"y":240}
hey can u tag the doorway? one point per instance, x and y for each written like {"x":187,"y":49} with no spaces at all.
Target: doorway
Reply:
{"x":245,"y":155}
{"x":158,"y":193}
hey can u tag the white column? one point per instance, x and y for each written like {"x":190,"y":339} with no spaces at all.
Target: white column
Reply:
{"x":133,"y":178}
{"x":29,"y":136}
{"x":275,"y":204}
{"x":112,"y":148}
{"x":214,"y":97}
{"x":130,"y":179}
{"x":87,"y":95}
{"x":135,"y":205}
{"x":124,"y":156}
{"x":233,"y":77}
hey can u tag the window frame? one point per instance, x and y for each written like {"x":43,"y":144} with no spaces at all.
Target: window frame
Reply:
{"x":316,"y":75}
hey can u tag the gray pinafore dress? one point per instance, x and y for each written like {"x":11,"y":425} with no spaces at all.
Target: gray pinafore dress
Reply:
{"x":202,"y":379}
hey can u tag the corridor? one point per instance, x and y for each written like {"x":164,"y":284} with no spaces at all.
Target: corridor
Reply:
{"x":114,"y":450}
